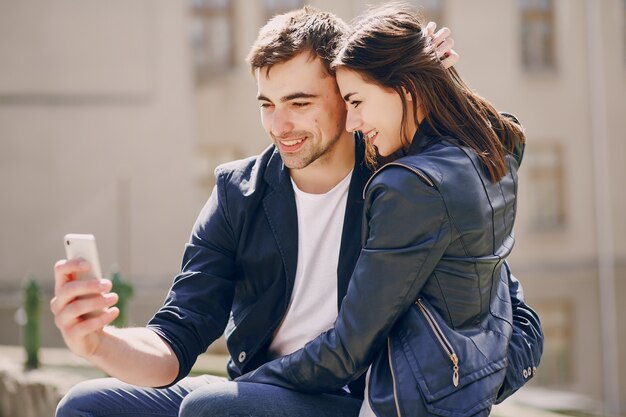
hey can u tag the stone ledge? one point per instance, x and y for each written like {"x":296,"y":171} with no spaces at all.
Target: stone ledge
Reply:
{"x":36,"y":393}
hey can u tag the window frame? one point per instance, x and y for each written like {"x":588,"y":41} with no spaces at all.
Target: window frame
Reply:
{"x":532,"y":15}
{"x":207,"y":13}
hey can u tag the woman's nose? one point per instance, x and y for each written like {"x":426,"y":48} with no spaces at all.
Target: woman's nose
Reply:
{"x":353,"y":121}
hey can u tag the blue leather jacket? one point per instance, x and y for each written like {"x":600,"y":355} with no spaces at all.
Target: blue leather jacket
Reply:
{"x":429,"y":303}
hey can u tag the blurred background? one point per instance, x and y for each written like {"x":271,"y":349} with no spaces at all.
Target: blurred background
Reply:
{"x":114,"y":114}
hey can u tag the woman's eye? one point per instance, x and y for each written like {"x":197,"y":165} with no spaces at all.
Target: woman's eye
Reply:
{"x":355,"y":104}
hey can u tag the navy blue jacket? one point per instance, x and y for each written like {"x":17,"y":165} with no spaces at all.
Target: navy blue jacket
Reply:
{"x":239,"y":266}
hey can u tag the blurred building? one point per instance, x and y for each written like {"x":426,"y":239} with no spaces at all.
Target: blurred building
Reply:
{"x":114,"y":114}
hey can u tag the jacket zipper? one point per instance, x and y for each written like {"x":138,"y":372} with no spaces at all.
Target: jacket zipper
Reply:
{"x":443,"y":341}
{"x":393,"y":378}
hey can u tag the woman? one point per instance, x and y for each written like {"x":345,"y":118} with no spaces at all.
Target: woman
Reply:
{"x":428,"y":304}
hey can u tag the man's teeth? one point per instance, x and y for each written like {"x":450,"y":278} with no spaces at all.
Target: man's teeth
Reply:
{"x":291,"y":142}
{"x":372,"y":133}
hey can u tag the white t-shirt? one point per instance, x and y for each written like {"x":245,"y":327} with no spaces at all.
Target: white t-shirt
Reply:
{"x":313,"y":306}
{"x":366,"y":410}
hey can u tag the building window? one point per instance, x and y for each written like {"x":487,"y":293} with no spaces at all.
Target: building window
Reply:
{"x":211,"y":35}
{"x":537,"y":34}
{"x":274,"y":7}
{"x":432,"y":10}
{"x":556,"y":360}
{"x":544,"y":164}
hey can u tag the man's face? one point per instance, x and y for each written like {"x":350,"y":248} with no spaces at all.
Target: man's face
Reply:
{"x":301,"y":110}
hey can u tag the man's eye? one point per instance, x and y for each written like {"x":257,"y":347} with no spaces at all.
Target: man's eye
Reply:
{"x":300,"y":104}
{"x":265,"y":105}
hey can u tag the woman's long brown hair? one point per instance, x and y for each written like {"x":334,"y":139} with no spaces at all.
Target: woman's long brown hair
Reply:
{"x":388,"y":47}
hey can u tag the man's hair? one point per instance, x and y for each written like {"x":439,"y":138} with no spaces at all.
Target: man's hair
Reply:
{"x":287,"y":35}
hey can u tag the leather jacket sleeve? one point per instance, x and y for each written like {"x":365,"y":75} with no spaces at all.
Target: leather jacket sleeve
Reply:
{"x":526,"y":344}
{"x":407,"y":233}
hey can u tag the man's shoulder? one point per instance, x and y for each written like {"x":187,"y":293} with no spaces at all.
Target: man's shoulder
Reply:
{"x":246,"y":177}
{"x":245,"y":168}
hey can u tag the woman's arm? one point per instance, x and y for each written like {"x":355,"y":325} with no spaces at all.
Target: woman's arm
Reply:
{"x":526,"y":345}
{"x":408,"y":232}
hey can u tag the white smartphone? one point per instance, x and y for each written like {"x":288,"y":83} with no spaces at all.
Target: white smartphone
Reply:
{"x":84,"y":246}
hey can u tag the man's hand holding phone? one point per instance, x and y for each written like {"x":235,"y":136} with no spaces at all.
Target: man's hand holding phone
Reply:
{"x":82,"y":303}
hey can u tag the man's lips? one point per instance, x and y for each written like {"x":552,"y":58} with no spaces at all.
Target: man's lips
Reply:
{"x":291,"y":145}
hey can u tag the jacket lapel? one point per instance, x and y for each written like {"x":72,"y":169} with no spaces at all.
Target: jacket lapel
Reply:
{"x":353,"y":220}
{"x":281,"y":212}
{"x":280,"y":208}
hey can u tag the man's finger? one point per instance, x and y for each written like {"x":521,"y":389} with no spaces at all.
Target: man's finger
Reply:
{"x":450,"y":59}
{"x":83,"y":328}
{"x":75,"y":312}
{"x":445,"y":47}
{"x":430,"y":28}
{"x":441,"y":36}
{"x":71,"y":290}
{"x":65,"y":270}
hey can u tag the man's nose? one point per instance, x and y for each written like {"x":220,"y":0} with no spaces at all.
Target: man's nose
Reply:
{"x":353,"y":121}
{"x":281,"y":124}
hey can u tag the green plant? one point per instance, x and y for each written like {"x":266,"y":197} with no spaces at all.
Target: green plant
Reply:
{"x":125,"y":292}
{"x":32,"y":323}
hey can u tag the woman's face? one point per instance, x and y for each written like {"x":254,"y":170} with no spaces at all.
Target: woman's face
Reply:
{"x":374,"y":110}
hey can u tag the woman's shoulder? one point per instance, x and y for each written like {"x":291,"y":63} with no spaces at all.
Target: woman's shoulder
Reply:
{"x":425,"y":167}
{"x":399,"y":178}
{"x":443,"y":166}
{"x":441,"y":159}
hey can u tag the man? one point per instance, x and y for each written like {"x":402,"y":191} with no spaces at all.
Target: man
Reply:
{"x":268,"y":261}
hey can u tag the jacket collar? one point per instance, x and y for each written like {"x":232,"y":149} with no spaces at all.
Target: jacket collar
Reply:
{"x":423,"y":137}
{"x":276,"y":174}
{"x":281,"y":212}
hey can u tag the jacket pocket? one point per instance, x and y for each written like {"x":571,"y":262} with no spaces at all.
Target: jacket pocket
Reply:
{"x":458,"y":373}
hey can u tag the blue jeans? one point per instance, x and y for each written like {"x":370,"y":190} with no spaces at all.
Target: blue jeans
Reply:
{"x":201,"y":396}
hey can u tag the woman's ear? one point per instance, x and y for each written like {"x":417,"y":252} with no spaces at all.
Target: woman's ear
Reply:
{"x":407,"y":96}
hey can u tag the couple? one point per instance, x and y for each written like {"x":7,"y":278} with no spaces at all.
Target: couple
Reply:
{"x":409,"y":264}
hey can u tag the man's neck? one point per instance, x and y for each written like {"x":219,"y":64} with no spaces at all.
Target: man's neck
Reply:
{"x":325,"y":173}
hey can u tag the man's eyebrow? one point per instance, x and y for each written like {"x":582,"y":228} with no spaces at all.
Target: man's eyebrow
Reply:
{"x":347,"y":96}
{"x":289,"y":97}
{"x":296,"y":96}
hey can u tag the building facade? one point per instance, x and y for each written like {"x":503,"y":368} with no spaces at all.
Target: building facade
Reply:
{"x":114,"y":115}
